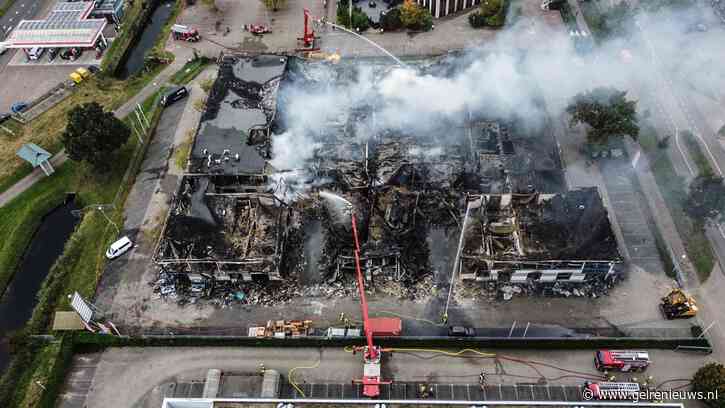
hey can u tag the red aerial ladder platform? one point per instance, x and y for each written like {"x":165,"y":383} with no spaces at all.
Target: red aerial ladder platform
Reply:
{"x":371,"y":353}
{"x":308,"y":37}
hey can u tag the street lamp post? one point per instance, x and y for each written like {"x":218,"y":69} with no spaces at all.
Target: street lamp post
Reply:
{"x":100,"y":208}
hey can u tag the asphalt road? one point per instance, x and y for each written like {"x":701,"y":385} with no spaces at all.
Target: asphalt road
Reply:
{"x":20,"y":10}
{"x":682,"y":113}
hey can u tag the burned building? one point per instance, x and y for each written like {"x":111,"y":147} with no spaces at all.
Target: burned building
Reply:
{"x":403,"y":185}
{"x":507,"y":159}
{"x":490,"y":183}
{"x":237,"y":234}
{"x":224,"y":225}
{"x":538,"y":238}
{"x":234,"y":133}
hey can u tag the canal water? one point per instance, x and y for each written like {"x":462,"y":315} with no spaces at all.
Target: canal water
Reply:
{"x":135,"y":59}
{"x":16,"y":305}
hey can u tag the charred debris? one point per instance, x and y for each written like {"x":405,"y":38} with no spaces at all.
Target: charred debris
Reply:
{"x":240,"y":230}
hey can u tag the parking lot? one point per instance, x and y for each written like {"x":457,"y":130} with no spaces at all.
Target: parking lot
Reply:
{"x":25,"y":83}
{"x":136,"y":377}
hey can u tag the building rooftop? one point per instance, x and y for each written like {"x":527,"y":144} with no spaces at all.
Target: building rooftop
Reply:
{"x":67,"y":25}
{"x":233,"y":136}
{"x":33,"y":154}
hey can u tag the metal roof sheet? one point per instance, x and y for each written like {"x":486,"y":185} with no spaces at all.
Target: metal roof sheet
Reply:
{"x":67,"y":25}
{"x":33,"y":154}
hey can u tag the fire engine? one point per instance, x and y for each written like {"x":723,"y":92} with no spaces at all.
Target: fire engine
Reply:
{"x":612,"y":390}
{"x":621,"y":360}
{"x":185,"y":33}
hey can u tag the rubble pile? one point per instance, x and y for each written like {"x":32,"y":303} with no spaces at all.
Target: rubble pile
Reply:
{"x":240,"y":235}
{"x":242,"y":232}
{"x":540,"y":241}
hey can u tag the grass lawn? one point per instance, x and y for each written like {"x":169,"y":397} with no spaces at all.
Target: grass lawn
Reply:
{"x":674,"y":192}
{"x":697,"y":154}
{"x":77,"y":269}
{"x":29,"y":393}
{"x":20,"y":218}
{"x":181,"y":153}
{"x":47,"y":128}
{"x":83,"y":259}
{"x":189,"y":71}
{"x":131,"y":25}
{"x":6,"y":6}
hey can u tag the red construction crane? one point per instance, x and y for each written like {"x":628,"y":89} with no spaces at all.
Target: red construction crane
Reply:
{"x":371,"y":353}
{"x":308,"y":37}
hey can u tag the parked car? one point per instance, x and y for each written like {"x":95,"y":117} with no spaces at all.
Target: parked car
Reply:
{"x":18,"y":107}
{"x":461,"y":331}
{"x":174,"y":95}
{"x":94,"y":69}
{"x":71,"y":54}
{"x":35,"y":53}
{"x":52,"y":53}
{"x":119,"y":248}
{"x":3,"y":49}
{"x":80,"y":75}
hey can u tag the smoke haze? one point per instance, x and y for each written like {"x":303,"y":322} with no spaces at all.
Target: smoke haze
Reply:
{"x":530,"y":72}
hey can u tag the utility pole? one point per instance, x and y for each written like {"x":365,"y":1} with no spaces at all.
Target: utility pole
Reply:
{"x":349,"y":10}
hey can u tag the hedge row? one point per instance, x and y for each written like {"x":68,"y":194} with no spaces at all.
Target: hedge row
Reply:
{"x":95,"y":341}
{"x":61,"y":367}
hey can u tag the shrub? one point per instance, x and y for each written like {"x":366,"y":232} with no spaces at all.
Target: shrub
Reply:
{"x":391,"y":21}
{"x":492,"y":13}
{"x":710,"y":378}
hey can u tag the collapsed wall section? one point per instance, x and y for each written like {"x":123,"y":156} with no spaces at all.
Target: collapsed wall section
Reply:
{"x":539,"y":239}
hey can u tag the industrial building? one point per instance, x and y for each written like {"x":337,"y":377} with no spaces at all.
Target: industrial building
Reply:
{"x":544,"y":239}
{"x":492,"y":184}
{"x":224,"y":227}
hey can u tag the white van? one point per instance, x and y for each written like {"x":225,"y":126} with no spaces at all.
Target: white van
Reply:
{"x":35,"y":53}
{"x":119,"y":247}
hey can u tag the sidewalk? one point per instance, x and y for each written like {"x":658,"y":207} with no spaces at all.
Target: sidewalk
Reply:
{"x":123,"y":289}
{"x":60,"y":157}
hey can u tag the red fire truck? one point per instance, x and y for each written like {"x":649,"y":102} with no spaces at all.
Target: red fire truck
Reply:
{"x":621,"y":360}
{"x":611,"y":391}
{"x":185,"y":33}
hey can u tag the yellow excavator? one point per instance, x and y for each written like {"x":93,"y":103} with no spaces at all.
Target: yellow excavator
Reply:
{"x":678,"y":305}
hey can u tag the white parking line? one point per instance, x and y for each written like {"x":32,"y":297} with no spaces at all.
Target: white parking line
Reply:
{"x":719,"y":228}
{"x":682,"y":152}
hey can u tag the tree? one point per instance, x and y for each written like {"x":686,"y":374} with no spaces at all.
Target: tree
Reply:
{"x":706,"y":199}
{"x":608,"y":113}
{"x":491,"y":13}
{"x":360,"y":20}
{"x":615,"y":21}
{"x":415,"y":17}
{"x":274,"y":5}
{"x":93,"y":135}
{"x":490,"y":7}
{"x":391,"y":21}
{"x":710,"y":379}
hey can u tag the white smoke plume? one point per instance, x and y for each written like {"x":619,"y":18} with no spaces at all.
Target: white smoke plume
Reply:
{"x":529,"y":71}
